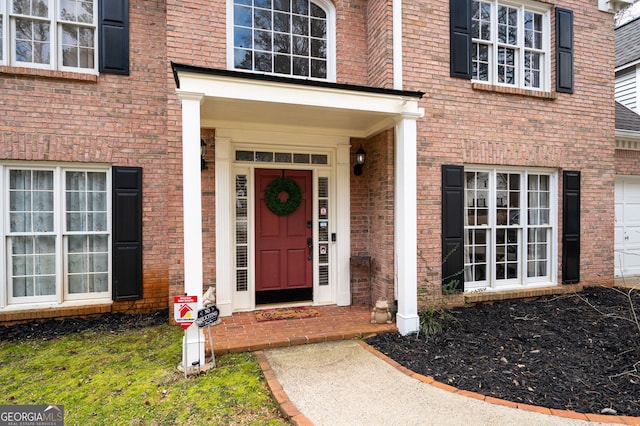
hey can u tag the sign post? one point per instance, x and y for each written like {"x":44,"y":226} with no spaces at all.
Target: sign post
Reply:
{"x":206,"y":318}
{"x":184,"y":313}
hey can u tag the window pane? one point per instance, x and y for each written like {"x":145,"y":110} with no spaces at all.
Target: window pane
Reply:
{"x":262,"y":40}
{"x":318,"y":48}
{"x":300,"y":25}
{"x":301,"y":46}
{"x":300,"y":6}
{"x":318,"y":68}
{"x":242,"y":16}
{"x":100,"y":283}
{"x":300,"y":66}
{"x":263,"y":62}
{"x":282,"y":22}
{"x":282,"y":43}
{"x":283,"y":5}
{"x":262,"y":19}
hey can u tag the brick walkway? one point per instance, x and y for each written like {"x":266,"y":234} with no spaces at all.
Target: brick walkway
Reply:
{"x":242,"y":332}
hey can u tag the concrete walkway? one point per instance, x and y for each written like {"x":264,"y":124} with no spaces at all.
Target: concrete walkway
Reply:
{"x":349,"y":383}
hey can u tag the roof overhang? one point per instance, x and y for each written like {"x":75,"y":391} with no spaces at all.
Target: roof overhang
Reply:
{"x":255,"y":101}
{"x":627,"y":139}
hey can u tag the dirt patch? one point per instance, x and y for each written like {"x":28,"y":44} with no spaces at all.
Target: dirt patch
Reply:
{"x":574,"y":352}
{"x":49,"y":329}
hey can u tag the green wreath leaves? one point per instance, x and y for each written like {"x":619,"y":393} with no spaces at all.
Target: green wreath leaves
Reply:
{"x":272,"y":196}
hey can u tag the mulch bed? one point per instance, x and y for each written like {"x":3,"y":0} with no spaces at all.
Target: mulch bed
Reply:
{"x":50,"y":329}
{"x":578,"y":352}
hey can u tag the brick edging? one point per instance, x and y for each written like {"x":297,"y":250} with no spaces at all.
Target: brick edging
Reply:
{"x":287,"y":408}
{"x":625,"y":420}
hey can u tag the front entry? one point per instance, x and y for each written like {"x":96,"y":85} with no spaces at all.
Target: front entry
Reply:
{"x":284,"y":236}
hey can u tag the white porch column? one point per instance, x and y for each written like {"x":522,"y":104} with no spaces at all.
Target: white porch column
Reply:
{"x":406,"y":252}
{"x":224,"y":228}
{"x":193,"y":344}
{"x":343,"y":227}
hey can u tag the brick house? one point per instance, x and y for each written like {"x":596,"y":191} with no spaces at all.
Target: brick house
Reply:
{"x":487,"y":130}
{"x":627,"y":182}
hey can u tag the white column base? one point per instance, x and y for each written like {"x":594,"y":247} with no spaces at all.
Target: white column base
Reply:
{"x":193,"y":349}
{"x":407,"y":325}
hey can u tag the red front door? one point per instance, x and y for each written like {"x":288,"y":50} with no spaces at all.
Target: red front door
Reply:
{"x":283,"y":242}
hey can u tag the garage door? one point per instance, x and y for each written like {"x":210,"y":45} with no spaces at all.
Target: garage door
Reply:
{"x":627,"y":226}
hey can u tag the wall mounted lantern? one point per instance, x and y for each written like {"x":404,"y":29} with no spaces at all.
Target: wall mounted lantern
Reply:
{"x":361,"y":157}
{"x":203,"y":152}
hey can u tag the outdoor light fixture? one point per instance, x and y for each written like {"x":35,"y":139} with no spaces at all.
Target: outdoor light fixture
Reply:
{"x":361,"y":157}
{"x":203,"y":151}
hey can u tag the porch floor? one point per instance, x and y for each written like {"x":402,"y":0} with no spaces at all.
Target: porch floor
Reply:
{"x":241,"y":332}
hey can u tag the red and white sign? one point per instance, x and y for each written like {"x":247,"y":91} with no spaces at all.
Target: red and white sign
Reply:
{"x":185,"y":310}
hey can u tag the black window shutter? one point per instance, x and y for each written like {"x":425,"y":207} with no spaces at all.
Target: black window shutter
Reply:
{"x":453,"y":225}
{"x":460,"y":38}
{"x":571,"y":228}
{"x":127,"y":233}
{"x":564,"y":50}
{"x":114,"y":36}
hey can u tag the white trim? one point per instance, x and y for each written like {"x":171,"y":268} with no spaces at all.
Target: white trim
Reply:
{"x":342,"y":226}
{"x":337,"y":171}
{"x":627,"y":65}
{"x":224,"y":225}
{"x":233,"y":102}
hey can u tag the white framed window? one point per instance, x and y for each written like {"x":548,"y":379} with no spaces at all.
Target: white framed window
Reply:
{"x":49,"y":34}
{"x":511,"y":43}
{"x":509,"y":228}
{"x":56,"y":232}
{"x":294,"y":38}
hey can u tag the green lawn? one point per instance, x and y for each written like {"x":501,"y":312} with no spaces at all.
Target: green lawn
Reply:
{"x":131,"y":378}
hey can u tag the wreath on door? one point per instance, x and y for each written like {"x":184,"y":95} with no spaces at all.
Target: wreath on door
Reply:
{"x":277,"y":187}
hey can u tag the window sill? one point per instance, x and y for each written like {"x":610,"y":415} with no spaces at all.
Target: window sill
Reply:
{"x":514,"y":91}
{"x":36,"y":72}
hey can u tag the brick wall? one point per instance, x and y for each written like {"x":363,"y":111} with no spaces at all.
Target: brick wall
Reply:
{"x":54,"y":117}
{"x":467,"y":125}
{"x":627,"y":162}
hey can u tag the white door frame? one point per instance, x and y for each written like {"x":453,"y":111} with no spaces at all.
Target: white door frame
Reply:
{"x":337,"y":170}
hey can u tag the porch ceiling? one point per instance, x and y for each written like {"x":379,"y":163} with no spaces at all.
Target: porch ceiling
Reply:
{"x":252,"y":101}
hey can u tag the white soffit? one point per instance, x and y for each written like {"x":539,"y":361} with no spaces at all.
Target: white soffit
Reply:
{"x":250,"y":103}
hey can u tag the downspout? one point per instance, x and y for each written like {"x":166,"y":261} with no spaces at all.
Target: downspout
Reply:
{"x":396,"y":37}
{"x":396,"y":46}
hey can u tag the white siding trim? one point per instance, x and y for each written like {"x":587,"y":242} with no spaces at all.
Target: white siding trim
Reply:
{"x":626,"y":88}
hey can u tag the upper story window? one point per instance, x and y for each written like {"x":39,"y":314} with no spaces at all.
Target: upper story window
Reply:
{"x":285,"y":37}
{"x":511,"y":44}
{"x":49,"y":34}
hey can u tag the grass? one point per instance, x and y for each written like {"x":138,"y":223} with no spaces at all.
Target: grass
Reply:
{"x":131,"y":378}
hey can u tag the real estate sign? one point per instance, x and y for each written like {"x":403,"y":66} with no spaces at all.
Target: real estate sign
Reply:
{"x":185,"y":310}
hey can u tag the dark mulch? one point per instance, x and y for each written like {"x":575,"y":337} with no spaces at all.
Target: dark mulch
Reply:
{"x":573,"y":352}
{"x":49,"y":329}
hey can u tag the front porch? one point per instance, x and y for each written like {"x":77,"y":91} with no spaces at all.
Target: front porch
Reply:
{"x":241,"y":332}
